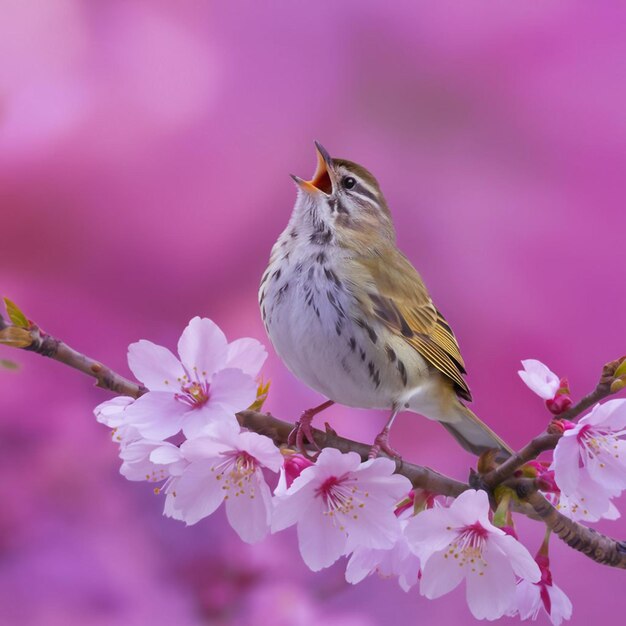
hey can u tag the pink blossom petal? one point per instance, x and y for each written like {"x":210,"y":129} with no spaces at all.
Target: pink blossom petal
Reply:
{"x":566,"y":464}
{"x":361,"y":564}
{"x":155,"y":366}
{"x":539,"y":378}
{"x":560,"y":605}
{"x":111,"y":412}
{"x":247,"y":355}
{"x":156,"y":415}
{"x":491,"y":595}
{"x":262,"y":449}
{"x":610,"y":414}
{"x":250,"y":513}
{"x":517,"y":555}
{"x":233,"y":390}
{"x":166,"y":454}
{"x":321,"y":541}
{"x":199,"y":419}
{"x":288,"y":508}
{"x":440,"y":575}
{"x":429,"y":532}
{"x":472,"y":506}
{"x":198,"y":493}
{"x":332,"y":462}
{"x":608,"y":467}
{"x":378,"y":527}
{"x":203,"y":449}
{"x":203,"y":347}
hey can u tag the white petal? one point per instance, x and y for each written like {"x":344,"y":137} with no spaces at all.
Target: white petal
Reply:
{"x":155,"y":366}
{"x":610,"y":414}
{"x":566,"y":464}
{"x":491,"y":595}
{"x":198,"y":493}
{"x":246,"y":354}
{"x":375,"y":527}
{"x":539,"y":378}
{"x":472,"y":506}
{"x":518,"y":556}
{"x":561,"y":606}
{"x":111,"y":412}
{"x":249,"y":513}
{"x":440,"y":575}
{"x":136,"y":462}
{"x":608,"y":468}
{"x":156,"y":415}
{"x":202,"y":347}
{"x":166,"y":454}
{"x":289,"y":508}
{"x":428,"y":532}
{"x":331,"y":462}
{"x":262,"y":448}
{"x":203,"y":448}
{"x":199,"y":420}
{"x":321,"y":542}
{"x":361,"y":564}
{"x":233,"y":390}
{"x":527,"y":600}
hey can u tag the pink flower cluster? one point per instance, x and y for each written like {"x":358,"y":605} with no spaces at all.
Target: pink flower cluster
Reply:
{"x":183,"y":435}
{"x":589,"y":463}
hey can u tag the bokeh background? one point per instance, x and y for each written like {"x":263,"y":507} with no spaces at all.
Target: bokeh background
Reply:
{"x":144,"y":153}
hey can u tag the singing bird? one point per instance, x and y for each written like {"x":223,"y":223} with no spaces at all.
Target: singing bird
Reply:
{"x":350,"y":316}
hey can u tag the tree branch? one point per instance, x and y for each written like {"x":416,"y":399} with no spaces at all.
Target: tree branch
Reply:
{"x":598,"y":547}
{"x":591,"y":543}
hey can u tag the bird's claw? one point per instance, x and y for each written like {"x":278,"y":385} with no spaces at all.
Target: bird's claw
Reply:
{"x":381,"y":444}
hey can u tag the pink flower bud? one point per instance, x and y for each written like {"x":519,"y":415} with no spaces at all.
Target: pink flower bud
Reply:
{"x":559,"y":404}
{"x":294,"y":464}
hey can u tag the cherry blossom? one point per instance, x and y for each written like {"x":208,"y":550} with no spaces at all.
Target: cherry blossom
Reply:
{"x":590,"y":460}
{"x":530,"y":598}
{"x":212,"y":380}
{"x":340,"y":504}
{"x":539,"y":378}
{"x":459,"y":542}
{"x":225,"y":465}
{"x":398,"y":561}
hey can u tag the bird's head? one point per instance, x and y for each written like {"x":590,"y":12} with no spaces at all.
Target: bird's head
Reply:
{"x":344,"y":199}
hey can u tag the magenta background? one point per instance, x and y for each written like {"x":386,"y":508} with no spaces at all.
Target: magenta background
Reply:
{"x":144,"y":152}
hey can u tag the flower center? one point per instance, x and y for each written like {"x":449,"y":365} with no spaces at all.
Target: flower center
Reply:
{"x":342,"y":497}
{"x":236,"y":473}
{"x":468,"y":547}
{"x":597,"y":443}
{"x":195,"y":393}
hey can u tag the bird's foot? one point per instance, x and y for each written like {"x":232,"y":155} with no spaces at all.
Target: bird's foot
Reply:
{"x":381,"y":444}
{"x":302,"y":430}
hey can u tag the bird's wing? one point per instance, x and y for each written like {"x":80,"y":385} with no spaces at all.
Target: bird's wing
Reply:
{"x":392,"y":292}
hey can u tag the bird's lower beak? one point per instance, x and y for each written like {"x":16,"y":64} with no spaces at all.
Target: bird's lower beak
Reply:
{"x":322,"y":179}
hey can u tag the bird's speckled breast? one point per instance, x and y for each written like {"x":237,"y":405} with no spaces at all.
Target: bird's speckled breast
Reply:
{"x":316,"y":327}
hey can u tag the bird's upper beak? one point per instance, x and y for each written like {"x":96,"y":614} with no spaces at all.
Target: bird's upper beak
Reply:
{"x":323,"y":178}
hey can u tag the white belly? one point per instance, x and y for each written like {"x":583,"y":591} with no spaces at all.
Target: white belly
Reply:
{"x":310,"y":319}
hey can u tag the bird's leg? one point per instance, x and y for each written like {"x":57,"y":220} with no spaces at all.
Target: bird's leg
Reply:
{"x":381,"y":443}
{"x":302,"y":429}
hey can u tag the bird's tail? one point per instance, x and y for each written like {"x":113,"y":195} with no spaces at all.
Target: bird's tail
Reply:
{"x":473,"y":434}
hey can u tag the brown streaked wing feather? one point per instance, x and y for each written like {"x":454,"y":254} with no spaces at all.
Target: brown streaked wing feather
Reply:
{"x":393,"y":292}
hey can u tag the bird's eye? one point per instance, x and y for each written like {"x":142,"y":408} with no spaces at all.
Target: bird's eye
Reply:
{"x":348,"y":182}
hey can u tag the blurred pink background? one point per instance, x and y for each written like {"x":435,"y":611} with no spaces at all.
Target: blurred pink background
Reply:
{"x":144,"y":153}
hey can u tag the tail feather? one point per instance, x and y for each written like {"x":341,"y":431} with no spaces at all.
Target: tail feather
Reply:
{"x":472,"y":434}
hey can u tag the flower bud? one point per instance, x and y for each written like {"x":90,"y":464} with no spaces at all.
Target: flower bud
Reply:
{"x":294,"y":464}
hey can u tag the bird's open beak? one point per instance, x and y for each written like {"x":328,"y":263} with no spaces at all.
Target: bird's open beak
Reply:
{"x":323,"y":178}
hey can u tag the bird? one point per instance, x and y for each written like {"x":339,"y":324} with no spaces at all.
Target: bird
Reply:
{"x":350,"y":316}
